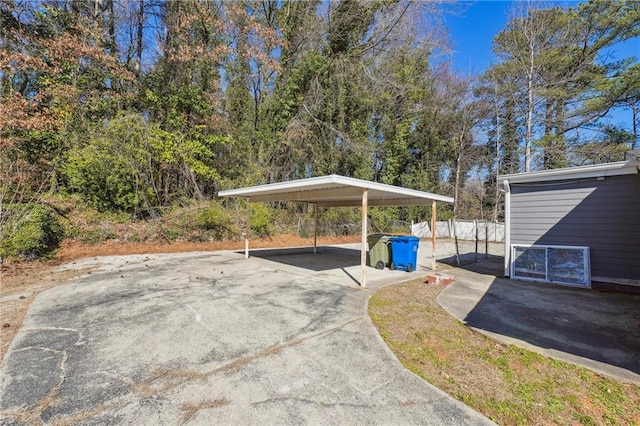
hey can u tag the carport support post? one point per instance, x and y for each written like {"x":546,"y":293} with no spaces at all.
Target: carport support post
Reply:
{"x":433,"y":235}
{"x":247,"y":226}
{"x":315,"y":227}
{"x":363,"y":250}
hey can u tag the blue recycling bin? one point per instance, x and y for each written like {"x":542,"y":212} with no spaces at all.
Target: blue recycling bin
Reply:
{"x":404,"y":253}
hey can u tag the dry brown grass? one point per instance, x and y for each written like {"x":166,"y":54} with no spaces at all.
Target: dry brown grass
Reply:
{"x":508,"y":384}
{"x":70,"y":250}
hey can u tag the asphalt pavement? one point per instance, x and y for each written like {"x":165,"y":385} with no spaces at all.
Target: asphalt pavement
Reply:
{"x":213,"y":338}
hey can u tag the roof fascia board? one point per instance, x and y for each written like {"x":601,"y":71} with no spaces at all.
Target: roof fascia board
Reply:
{"x":279,"y":191}
{"x":278,"y":187}
{"x":581,"y":172}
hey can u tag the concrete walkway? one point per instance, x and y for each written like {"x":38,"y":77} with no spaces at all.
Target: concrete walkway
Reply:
{"x":600,"y":331}
{"x":211,"y":338}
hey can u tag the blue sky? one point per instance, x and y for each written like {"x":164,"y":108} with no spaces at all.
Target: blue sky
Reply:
{"x":472,"y":28}
{"x":474,"y":24}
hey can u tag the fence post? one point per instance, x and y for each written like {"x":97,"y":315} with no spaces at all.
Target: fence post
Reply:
{"x":486,"y":241}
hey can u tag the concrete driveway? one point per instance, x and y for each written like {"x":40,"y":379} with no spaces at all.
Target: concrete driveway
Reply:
{"x":212,"y":338}
{"x":600,"y":331}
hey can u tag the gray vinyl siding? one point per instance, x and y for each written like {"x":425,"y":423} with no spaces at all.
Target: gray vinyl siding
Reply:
{"x":603,"y":215}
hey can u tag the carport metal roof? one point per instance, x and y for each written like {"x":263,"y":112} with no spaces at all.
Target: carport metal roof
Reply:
{"x":336,"y":191}
{"x":339,"y":191}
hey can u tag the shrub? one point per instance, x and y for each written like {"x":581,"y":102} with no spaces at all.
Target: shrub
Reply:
{"x":30,"y":230}
{"x":111,"y":172}
{"x":133,"y":166}
{"x":261,"y":219}
{"x":215,"y":219}
{"x":212,"y":217}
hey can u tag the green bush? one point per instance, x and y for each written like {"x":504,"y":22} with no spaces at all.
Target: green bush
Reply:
{"x":111,"y":171}
{"x":133,"y":166}
{"x":30,"y":230}
{"x":215,"y":219}
{"x":261,"y":220}
{"x":212,"y":217}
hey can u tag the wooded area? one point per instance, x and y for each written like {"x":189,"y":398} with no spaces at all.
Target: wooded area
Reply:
{"x":136,"y":105}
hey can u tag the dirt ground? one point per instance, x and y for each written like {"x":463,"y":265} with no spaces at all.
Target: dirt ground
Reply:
{"x":22,"y":281}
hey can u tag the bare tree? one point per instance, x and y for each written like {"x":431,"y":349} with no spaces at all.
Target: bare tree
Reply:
{"x":519,"y":46}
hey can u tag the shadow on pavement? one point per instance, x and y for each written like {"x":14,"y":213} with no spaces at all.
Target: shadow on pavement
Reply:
{"x":470,"y":258}
{"x":326,"y":258}
{"x":601,"y":327}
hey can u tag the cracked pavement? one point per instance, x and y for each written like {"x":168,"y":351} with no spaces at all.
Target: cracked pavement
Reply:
{"x":212,"y":338}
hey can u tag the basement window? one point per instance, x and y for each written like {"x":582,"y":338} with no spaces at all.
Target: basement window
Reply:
{"x":567,"y":265}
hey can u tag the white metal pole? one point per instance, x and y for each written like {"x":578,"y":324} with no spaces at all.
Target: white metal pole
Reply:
{"x":433,"y":235}
{"x":363,"y":249}
{"x":315,"y":228}
{"x":247,"y":226}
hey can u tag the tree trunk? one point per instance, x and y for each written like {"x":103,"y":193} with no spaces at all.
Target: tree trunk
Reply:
{"x":634,"y":121}
{"x":139,"y":34}
{"x":456,"y":187}
{"x":530,"y":106}
{"x":112,"y":30}
{"x":547,"y":146}
{"x":559,"y":149}
{"x":496,"y":198}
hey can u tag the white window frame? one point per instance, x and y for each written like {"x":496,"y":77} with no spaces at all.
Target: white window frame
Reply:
{"x":585,"y":257}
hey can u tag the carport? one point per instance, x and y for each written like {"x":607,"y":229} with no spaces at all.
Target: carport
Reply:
{"x":339,"y":191}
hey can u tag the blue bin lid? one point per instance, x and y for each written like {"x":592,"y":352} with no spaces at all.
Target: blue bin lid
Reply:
{"x":404,"y":238}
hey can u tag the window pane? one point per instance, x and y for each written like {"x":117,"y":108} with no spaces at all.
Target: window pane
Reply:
{"x":567,"y":265}
{"x":530,"y":262}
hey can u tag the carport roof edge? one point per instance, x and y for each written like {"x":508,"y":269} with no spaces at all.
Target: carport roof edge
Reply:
{"x":336,"y":191}
{"x":577,"y":172}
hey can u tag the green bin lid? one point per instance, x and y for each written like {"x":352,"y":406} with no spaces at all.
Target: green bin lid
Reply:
{"x":376,"y":237}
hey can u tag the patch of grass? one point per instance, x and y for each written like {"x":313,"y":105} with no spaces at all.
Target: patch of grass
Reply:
{"x":585,"y":420}
{"x":508,"y":384}
{"x":96,"y":235}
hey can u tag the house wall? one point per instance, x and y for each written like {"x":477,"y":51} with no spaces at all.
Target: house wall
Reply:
{"x":601,"y":214}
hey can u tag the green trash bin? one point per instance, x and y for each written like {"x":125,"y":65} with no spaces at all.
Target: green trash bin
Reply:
{"x":379,"y":250}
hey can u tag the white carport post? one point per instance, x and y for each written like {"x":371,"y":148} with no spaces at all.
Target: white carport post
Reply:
{"x":363,"y":250}
{"x":433,"y":235}
{"x":315,"y":227}
{"x":247,"y":226}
